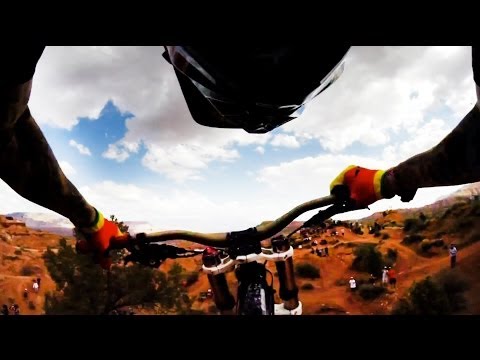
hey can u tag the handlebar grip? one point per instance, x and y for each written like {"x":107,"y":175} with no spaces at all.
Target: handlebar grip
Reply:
{"x":121,"y":241}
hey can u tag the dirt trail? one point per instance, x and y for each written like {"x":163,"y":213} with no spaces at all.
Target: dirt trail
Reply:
{"x":330,"y":294}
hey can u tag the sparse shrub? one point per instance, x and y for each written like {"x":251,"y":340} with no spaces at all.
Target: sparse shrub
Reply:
{"x":411,"y":239}
{"x":86,"y":289}
{"x":191,"y":278}
{"x":28,"y":270}
{"x":472,"y":237}
{"x":362,"y":280}
{"x":341,"y":282}
{"x":323,"y":242}
{"x":374,"y":229}
{"x":464,"y":224}
{"x":18,"y":252}
{"x":307,"y":286}
{"x":426,"y":297}
{"x":212,"y":309}
{"x":392,"y":254}
{"x":370,"y":291}
{"x":367,"y":259}
{"x":12,"y":258}
{"x":31,"y":305}
{"x":403,"y":307}
{"x":422,"y":217}
{"x":357,"y":230}
{"x":193,"y":312}
{"x":306,"y":270}
{"x":376,"y":234}
{"x":454,"y":287}
{"x":438,"y":243}
{"x":454,"y":210}
{"x":385,"y":236}
{"x":413,"y":225}
{"x":440,"y":234}
{"x":475,"y":211}
{"x":429,"y":298}
{"x":425,"y":245}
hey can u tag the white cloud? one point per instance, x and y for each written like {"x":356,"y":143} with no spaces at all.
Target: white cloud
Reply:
{"x":178,"y":209}
{"x":67,"y":168}
{"x":372,"y":97}
{"x":426,"y":136}
{"x":182,"y":161}
{"x":73,"y":82}
{"x":260,"y":150}
{"x":114,"y":152}
{"x":82,"y":149}
{"x":287,"y":141}
{"x":121,"y":150}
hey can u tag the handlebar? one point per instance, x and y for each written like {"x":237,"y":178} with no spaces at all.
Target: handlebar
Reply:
{"x":258,"y":233}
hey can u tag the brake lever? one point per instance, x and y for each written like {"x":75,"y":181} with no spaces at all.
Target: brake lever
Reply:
{"x":153,"y":254}
{"x":322,"y":215}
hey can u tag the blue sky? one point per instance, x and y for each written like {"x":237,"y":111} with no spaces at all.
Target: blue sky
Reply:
{"x":120,"y":128}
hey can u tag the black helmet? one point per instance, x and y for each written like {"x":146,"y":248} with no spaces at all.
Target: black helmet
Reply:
{"x":255,"y":88}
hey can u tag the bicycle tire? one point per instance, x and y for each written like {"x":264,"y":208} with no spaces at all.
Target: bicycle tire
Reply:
{"x":255,"y":296}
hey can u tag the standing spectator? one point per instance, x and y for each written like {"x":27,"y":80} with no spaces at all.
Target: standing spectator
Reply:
{"x":38,"y":282}
{"x":453,"y":255}
{"x":343,"y":232}
{"x":4,"y":309}
{"x":371,"y":279}
{"x":25,"y":293}
{"x":392,"y":277}
{"x":353,"y":284}
{"x":385,"y":276}
{"x":35,"y":286}
{"x":326,"y":250}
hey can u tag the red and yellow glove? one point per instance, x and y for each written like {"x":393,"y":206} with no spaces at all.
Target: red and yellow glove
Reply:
{"x":364,"y":185}
{"x":98,"y":238}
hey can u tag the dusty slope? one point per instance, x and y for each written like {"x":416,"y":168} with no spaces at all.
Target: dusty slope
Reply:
{"x":26,"y":246}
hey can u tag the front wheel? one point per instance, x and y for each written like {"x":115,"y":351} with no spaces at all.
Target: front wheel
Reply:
{"x":255,"y":296}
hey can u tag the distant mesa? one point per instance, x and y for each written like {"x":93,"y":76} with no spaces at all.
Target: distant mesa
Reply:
{"x":58,"y":224}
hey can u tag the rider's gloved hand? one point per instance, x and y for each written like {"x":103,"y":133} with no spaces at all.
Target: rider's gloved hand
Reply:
{"x":97,"y":238}
{"x":365,"y":186}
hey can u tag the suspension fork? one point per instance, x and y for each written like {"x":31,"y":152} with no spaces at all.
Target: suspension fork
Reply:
{"x":216,"y":264}
{"x":285,"y":270}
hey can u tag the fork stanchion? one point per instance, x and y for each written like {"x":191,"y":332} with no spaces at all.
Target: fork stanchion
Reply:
{"x":216,"y":264}
{"x":286,"y":275}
